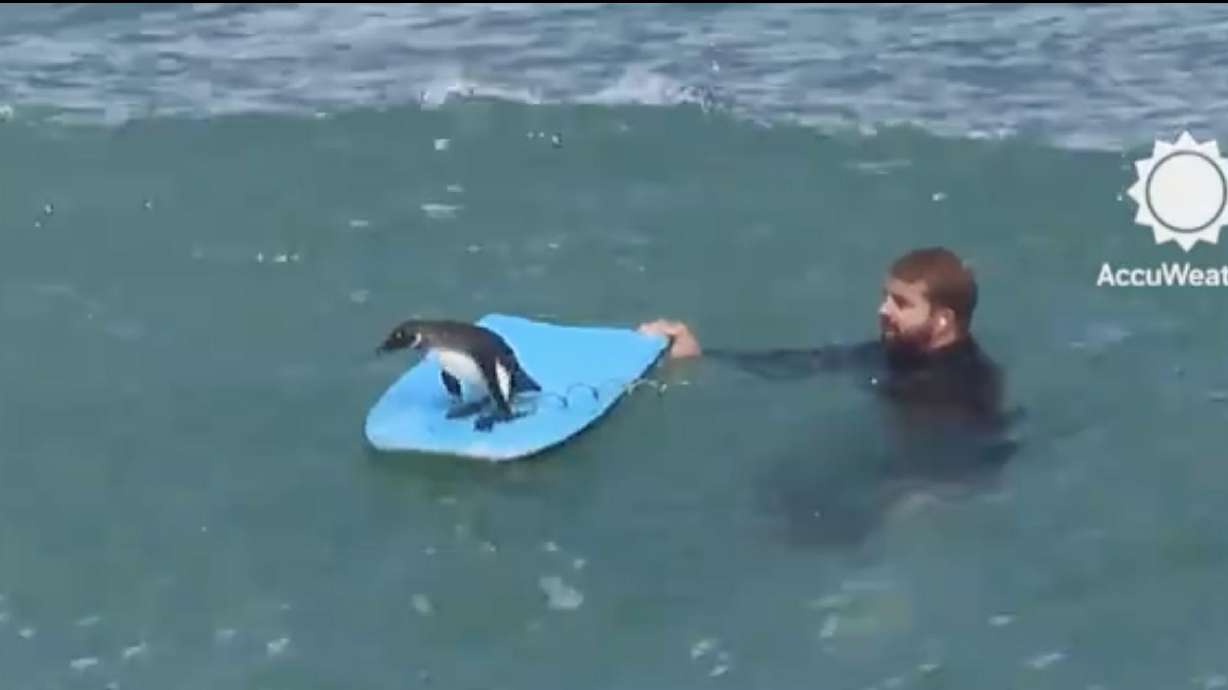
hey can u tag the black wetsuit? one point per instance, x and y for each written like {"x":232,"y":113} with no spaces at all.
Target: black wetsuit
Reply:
{"x":945,"y":423}
{"x":957,"y":383}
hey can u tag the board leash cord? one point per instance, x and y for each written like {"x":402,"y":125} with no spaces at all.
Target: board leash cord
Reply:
{"x":626,"y":389}
{"x":565,"y":398}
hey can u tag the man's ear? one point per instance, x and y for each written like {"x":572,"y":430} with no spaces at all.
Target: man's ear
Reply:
{"x":946,"y":317}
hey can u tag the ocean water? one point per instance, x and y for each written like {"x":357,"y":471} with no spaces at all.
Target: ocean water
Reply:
{"x":212,"y":214}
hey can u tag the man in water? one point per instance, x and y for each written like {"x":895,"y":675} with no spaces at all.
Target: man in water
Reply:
{"x":944,"y":392}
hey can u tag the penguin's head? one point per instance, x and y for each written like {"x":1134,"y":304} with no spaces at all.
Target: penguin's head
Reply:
{"x":406,"y":335}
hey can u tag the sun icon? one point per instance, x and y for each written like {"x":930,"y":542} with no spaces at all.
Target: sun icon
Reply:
{"x":1182,"y":192}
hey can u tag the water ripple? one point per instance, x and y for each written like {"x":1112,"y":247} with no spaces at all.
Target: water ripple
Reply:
{"x":1085,"y":76}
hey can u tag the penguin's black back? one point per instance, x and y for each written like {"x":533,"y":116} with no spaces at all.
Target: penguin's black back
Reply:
{"x":465,"y":337}
{"x":480,"y":343}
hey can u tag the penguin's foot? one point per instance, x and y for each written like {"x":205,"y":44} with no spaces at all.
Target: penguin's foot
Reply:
{"x":463,"y":410}
{"x":487,"y":422}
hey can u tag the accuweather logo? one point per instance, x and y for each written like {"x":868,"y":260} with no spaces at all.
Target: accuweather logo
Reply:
{"x":1182,"y":195}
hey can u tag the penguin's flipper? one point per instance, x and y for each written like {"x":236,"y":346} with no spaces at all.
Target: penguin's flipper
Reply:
{"x":450,"y":382}
{"x":499,"y":387}
{"x":467,"y":409}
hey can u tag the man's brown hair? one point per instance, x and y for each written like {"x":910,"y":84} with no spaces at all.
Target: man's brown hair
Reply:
{"x":948,"y":281}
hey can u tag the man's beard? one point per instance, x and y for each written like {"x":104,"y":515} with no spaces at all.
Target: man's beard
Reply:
{"x":902,"y":347}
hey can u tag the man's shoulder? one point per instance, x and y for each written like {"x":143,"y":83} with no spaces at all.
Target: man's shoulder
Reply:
{"x":985,"y":378}
{"x":981,"y":360}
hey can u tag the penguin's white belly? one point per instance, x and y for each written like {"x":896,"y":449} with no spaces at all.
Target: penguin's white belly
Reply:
{"x":466,"y":370}
{"x":461,"y":366}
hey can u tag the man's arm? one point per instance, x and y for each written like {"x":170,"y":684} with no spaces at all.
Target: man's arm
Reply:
{"x":784,"y":364}
{"x":773,"y":364}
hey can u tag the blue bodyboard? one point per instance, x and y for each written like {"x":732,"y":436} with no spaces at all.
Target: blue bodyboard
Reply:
{"x":583,"y":371}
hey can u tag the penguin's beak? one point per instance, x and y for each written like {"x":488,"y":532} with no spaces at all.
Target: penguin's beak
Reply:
{"x":397,"y":340}
{"x":389,"y":345}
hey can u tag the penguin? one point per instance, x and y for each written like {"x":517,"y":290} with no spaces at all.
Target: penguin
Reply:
{"x":472,"y":354}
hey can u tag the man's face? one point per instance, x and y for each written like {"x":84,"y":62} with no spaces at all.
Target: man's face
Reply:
{"x":906,"y":318}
